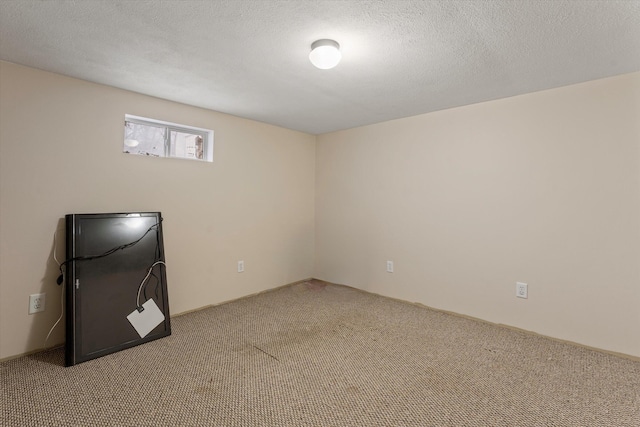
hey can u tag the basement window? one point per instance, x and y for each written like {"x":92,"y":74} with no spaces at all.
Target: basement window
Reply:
{"x":155,"y":138}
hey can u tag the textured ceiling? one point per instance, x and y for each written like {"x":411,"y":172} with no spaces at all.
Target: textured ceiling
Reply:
{"x":400,"y":58}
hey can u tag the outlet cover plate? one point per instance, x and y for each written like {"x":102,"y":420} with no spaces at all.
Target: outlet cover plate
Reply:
{"x":36,"y":303}
{"x":522,"y":290}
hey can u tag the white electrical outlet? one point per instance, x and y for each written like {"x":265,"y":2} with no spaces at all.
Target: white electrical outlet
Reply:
{"x":240,"y":266}
{"x":36,"y":303}
{"x":522,"y":290}
{"x":389,"y":266}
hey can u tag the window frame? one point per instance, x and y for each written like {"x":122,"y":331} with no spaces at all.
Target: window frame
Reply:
{"x":205,"y":134}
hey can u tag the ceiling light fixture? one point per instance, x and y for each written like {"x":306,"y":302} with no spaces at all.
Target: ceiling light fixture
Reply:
{"x":325,"y":54}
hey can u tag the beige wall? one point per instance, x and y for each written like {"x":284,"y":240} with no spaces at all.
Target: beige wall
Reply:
{"x":61,"y":152}
{"x":542,"y":188}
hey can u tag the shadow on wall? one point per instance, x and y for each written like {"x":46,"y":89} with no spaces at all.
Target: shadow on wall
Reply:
{"x":43,"y":335}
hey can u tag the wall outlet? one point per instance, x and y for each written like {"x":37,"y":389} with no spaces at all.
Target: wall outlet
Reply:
{"x":522,"y":290}
{"x":389,"y":266}
{"x":36,"y":303}
{"x":240,"y":266}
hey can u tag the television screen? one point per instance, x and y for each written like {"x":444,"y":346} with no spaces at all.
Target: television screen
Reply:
{"x":116,"y":287}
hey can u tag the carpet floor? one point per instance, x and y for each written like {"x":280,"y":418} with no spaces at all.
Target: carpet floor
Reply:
{"x":315,"y":354}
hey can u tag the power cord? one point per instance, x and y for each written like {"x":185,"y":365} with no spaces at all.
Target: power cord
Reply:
{"x":55,"y":258}
{"x":144,"y":280}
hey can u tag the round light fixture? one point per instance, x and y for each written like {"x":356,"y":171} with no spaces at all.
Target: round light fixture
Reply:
{"x":325,"y":54}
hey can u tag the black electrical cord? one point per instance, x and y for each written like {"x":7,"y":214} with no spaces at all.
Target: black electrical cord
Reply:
{"x":111,"y":251}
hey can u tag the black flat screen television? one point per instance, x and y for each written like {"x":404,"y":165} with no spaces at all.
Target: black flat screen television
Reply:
{"x":114,"y":264}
